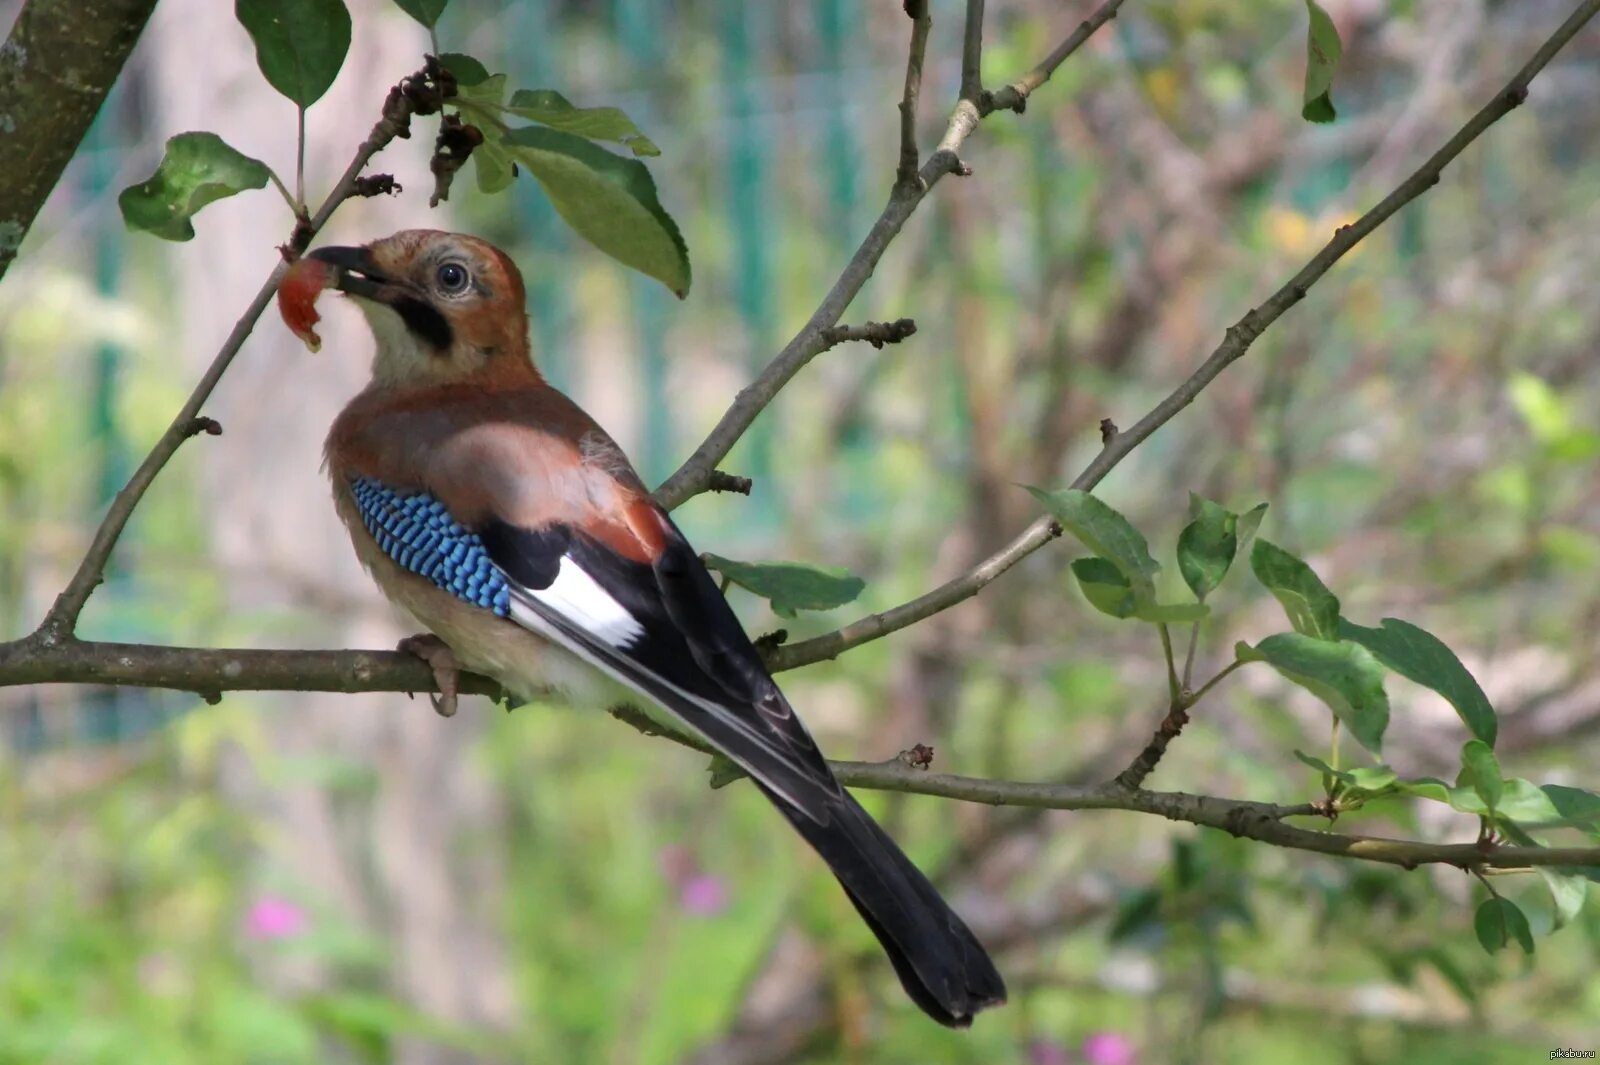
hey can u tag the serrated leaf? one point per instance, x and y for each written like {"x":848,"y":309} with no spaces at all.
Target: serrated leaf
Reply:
{"x":1206,"y":545}
{"x":426,"y":12}
{"x":1342,"y":674}
{"x":1567,"y":894}
{"x":609,"y":200}
{"x":1103,"y":584}
{"x":197,"y":169}
{"x":1105,"y":532}
{"x":1323,"y":51}
{"x":1421,"y":657}
{"x":550,"y":108}
{"x":791,"y":586}
{"x":1481,"y":772}
{"x":1312,"y":609}
{"x":300,"y":44}
{"x":1498,"y":922}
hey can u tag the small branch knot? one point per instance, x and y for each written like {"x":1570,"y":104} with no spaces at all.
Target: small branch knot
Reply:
{"x":717,"y":481}
{"x":875,"y":333}
{"x":917,"y":756}
{"x":1108,"y":430}
{"x":202,"y":424}
{"x":376,"y":185}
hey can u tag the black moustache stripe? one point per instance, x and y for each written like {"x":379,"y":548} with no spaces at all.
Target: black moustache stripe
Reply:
{"x":425,"y":322}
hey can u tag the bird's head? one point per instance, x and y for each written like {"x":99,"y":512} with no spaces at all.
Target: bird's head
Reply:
{"x":442,"y":306}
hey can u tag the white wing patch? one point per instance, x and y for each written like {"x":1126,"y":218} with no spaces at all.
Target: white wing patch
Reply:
{"x":579,"y":598}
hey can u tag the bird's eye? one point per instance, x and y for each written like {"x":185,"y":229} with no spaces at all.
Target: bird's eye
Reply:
{"x":453,"y":279}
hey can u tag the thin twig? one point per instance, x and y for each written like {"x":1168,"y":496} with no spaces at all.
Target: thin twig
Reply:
{"x":62,"y":620}
{"x":921,"y":23}
{"x":691,"y":478}
{"x":1014,"y":97}
{"x":972,"y":54}
{"x":1237,"y":341}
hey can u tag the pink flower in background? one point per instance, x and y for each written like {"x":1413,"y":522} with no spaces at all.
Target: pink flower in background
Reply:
{"x":1044,"y":1052}
{"x":703,"y":895}
{"x":274,"y":918}
{"x":1108,"y":1048}
{"x":699,"y":893}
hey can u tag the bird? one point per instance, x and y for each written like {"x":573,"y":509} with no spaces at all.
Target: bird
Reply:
{"x":494,"y":510}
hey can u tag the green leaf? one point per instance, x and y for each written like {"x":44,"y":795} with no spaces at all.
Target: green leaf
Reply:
{"x":723,"y":771}
{"x":1575,"y":806}
{"x":1371,"y":781}
{"x":493,"y":167}
{"x":1108,"y":591}
{"x":1330,"y":775}
{"x":550,"y":108}
{"x":1421,"y":657}
{"x":197,"y":169}
{"x":1312,"y":609}
{"x":1171,"y":613}
{"x":1323,"y":50}
{"x":1206,"y":545}
{"x":1105,"y":532}
{"x":609,"y":200}
{"x":1567,"y":894}
{"x":1481,"y":772}
{"x":426,"y":12}
{"x":1344,"y":675}
{"x":1249,"y":522}
{"x":1499,"y":921}
{"x":300,"y":44}
{"x":466,"y":70}
{"x":1103,"y":584}
{"x":791,"y":586}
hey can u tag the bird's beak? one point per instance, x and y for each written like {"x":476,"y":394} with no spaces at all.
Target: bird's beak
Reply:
{"x":356,"y":274}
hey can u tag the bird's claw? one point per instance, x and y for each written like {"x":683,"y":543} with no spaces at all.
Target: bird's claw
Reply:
{"x":446,"y":669}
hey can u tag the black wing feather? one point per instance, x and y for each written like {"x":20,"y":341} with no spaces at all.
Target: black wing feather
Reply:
{"x":694,"y":659}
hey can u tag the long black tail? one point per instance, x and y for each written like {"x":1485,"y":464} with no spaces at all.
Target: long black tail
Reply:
{"x":940,"y":962}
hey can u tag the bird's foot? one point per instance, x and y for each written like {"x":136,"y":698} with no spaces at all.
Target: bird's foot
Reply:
{"x":446,"y":668}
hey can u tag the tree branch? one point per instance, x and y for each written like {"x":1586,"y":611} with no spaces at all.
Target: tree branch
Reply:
{"x":1235,"y":343}
{"x":692,"y":477}
{"x":62,"y":620}
{"x":972,"y":54}
{"x":57,"y":66}
{"x":921,"y":23}
{"x":1014,"y":97}
{"x":209,"y":672}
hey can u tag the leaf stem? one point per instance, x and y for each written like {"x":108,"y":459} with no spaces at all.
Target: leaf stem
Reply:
{"x":300,"y":161}
{"x":283,"y":190}
{"x":1214,"y":681}
{"x":1188,"y":658}
{"x":1174,"y":688}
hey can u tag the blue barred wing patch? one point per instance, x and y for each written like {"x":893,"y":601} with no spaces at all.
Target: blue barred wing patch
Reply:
{"x":418,"y":532}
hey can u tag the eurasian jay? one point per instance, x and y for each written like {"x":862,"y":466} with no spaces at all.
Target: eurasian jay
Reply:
{"x":492,"y":508}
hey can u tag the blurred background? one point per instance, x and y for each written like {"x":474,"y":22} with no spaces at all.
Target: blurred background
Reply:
{"x":319,"y":878}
